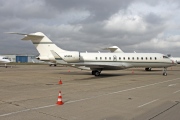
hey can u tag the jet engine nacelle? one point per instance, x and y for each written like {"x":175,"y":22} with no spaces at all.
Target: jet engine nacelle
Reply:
{"x":71,"y":57}
{"x":46,"y":58}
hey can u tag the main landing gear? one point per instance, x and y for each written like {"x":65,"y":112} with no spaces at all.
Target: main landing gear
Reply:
{"x":53,"y":65}
{"x":147,"y":69}
{"x":164,"y":71}
{"x":96,"y":73}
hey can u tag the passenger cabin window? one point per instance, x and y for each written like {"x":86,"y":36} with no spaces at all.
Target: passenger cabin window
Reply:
{"x":105,"y":58}
{"x":133,"y":58}
{"x":124,"y":58}
{"x":146,"y":58}
{"x":155,"y":58}
{"x":137,"y":58}
{"x":128,"y":58}
{"x":109,"y":58}
{"x":150,"y":58}
{"x":96,"y":58}
{"x":100,"y":58}
{"x":141,"y":58}
{"x":119,"y":58}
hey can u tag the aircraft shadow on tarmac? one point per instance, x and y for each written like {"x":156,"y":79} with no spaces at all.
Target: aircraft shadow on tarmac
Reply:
{"x":174,"y":70}
{"x":105,"y":75}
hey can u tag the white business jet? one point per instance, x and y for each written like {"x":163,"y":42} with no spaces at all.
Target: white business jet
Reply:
{"x":116,"y":49}
{"x":96,"y":62}
{"x":4,"y":60}
{"x":176,"y":59}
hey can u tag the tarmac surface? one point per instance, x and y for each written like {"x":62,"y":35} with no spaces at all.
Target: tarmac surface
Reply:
{"x":30,"y":92}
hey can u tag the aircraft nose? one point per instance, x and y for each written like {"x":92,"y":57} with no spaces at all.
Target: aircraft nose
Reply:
{"x":174,"y":62}
{"x":8,"y":61}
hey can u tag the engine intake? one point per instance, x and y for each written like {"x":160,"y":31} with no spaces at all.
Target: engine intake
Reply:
{"x":46,"y":58}
{"x":71,"y":56}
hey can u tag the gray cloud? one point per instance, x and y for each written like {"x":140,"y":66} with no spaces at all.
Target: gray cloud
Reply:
{"x":154,"y":19}
{"x":143,"y":26}
{"x":100,"y":9}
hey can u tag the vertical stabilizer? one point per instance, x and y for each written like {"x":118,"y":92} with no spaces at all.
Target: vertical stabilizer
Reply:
{"x":43,"y":44}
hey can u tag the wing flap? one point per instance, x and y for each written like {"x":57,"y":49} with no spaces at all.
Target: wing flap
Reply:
{"x":101,"y":65}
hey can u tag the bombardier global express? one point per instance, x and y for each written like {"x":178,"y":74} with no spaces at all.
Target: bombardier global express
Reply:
{"x":96,"y":62}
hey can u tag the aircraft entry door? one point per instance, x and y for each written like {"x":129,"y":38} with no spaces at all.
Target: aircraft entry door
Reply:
{"x":114,"y":58}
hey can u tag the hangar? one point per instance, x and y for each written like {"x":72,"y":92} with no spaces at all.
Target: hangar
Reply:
{"x":22,"y":58}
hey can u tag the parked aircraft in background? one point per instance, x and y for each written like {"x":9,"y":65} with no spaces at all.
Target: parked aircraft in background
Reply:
{"x":4,"y":60}
{"x":176,"y":59}
{"x":96,"y":62}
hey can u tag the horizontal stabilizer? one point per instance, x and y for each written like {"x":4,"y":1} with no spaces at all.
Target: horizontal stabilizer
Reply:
{"x":32,"y":36}
{"x":16,"y":33}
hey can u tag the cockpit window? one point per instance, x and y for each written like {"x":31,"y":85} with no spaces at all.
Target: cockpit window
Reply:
{"x":4,"y":58}
{"x":165,"y":56}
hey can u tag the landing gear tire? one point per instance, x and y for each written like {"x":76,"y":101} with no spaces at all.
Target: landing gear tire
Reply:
{"x":93,"y":72}
{"x":165,"y":74}
{"x":97,"y":73}
{"x":147,"y":69}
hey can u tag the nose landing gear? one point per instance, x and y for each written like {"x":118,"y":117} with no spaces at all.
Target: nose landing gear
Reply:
{"x":164,"y":71}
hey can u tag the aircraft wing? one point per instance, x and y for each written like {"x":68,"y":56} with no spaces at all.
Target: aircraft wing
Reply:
{"x":114,"y":49}
{"x":102,"y":65}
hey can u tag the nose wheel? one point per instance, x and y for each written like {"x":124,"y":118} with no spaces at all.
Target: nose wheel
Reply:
{"x":164,"y":72}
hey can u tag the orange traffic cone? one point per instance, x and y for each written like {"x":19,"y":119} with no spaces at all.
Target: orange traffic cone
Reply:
{"x":60,"y":82}
{"x":132,"y":71}
{"x":59,"y":102}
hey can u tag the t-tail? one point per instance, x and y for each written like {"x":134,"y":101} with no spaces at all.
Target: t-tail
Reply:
{"x":43,"y":45}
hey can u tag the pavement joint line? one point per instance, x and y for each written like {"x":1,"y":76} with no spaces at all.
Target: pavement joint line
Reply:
{"x":164,"y":111}
{"x":76,"y":84}
{"x":147,"y":103}
{"x":172,"y":85}
{"x":11,"y":113}
{"x":177,"y":91}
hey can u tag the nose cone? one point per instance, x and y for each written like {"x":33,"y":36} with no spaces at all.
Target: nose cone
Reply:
{"x":6,"y":61}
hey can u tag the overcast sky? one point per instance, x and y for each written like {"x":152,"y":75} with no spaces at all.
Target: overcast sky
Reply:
{"x":90,"y":25}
